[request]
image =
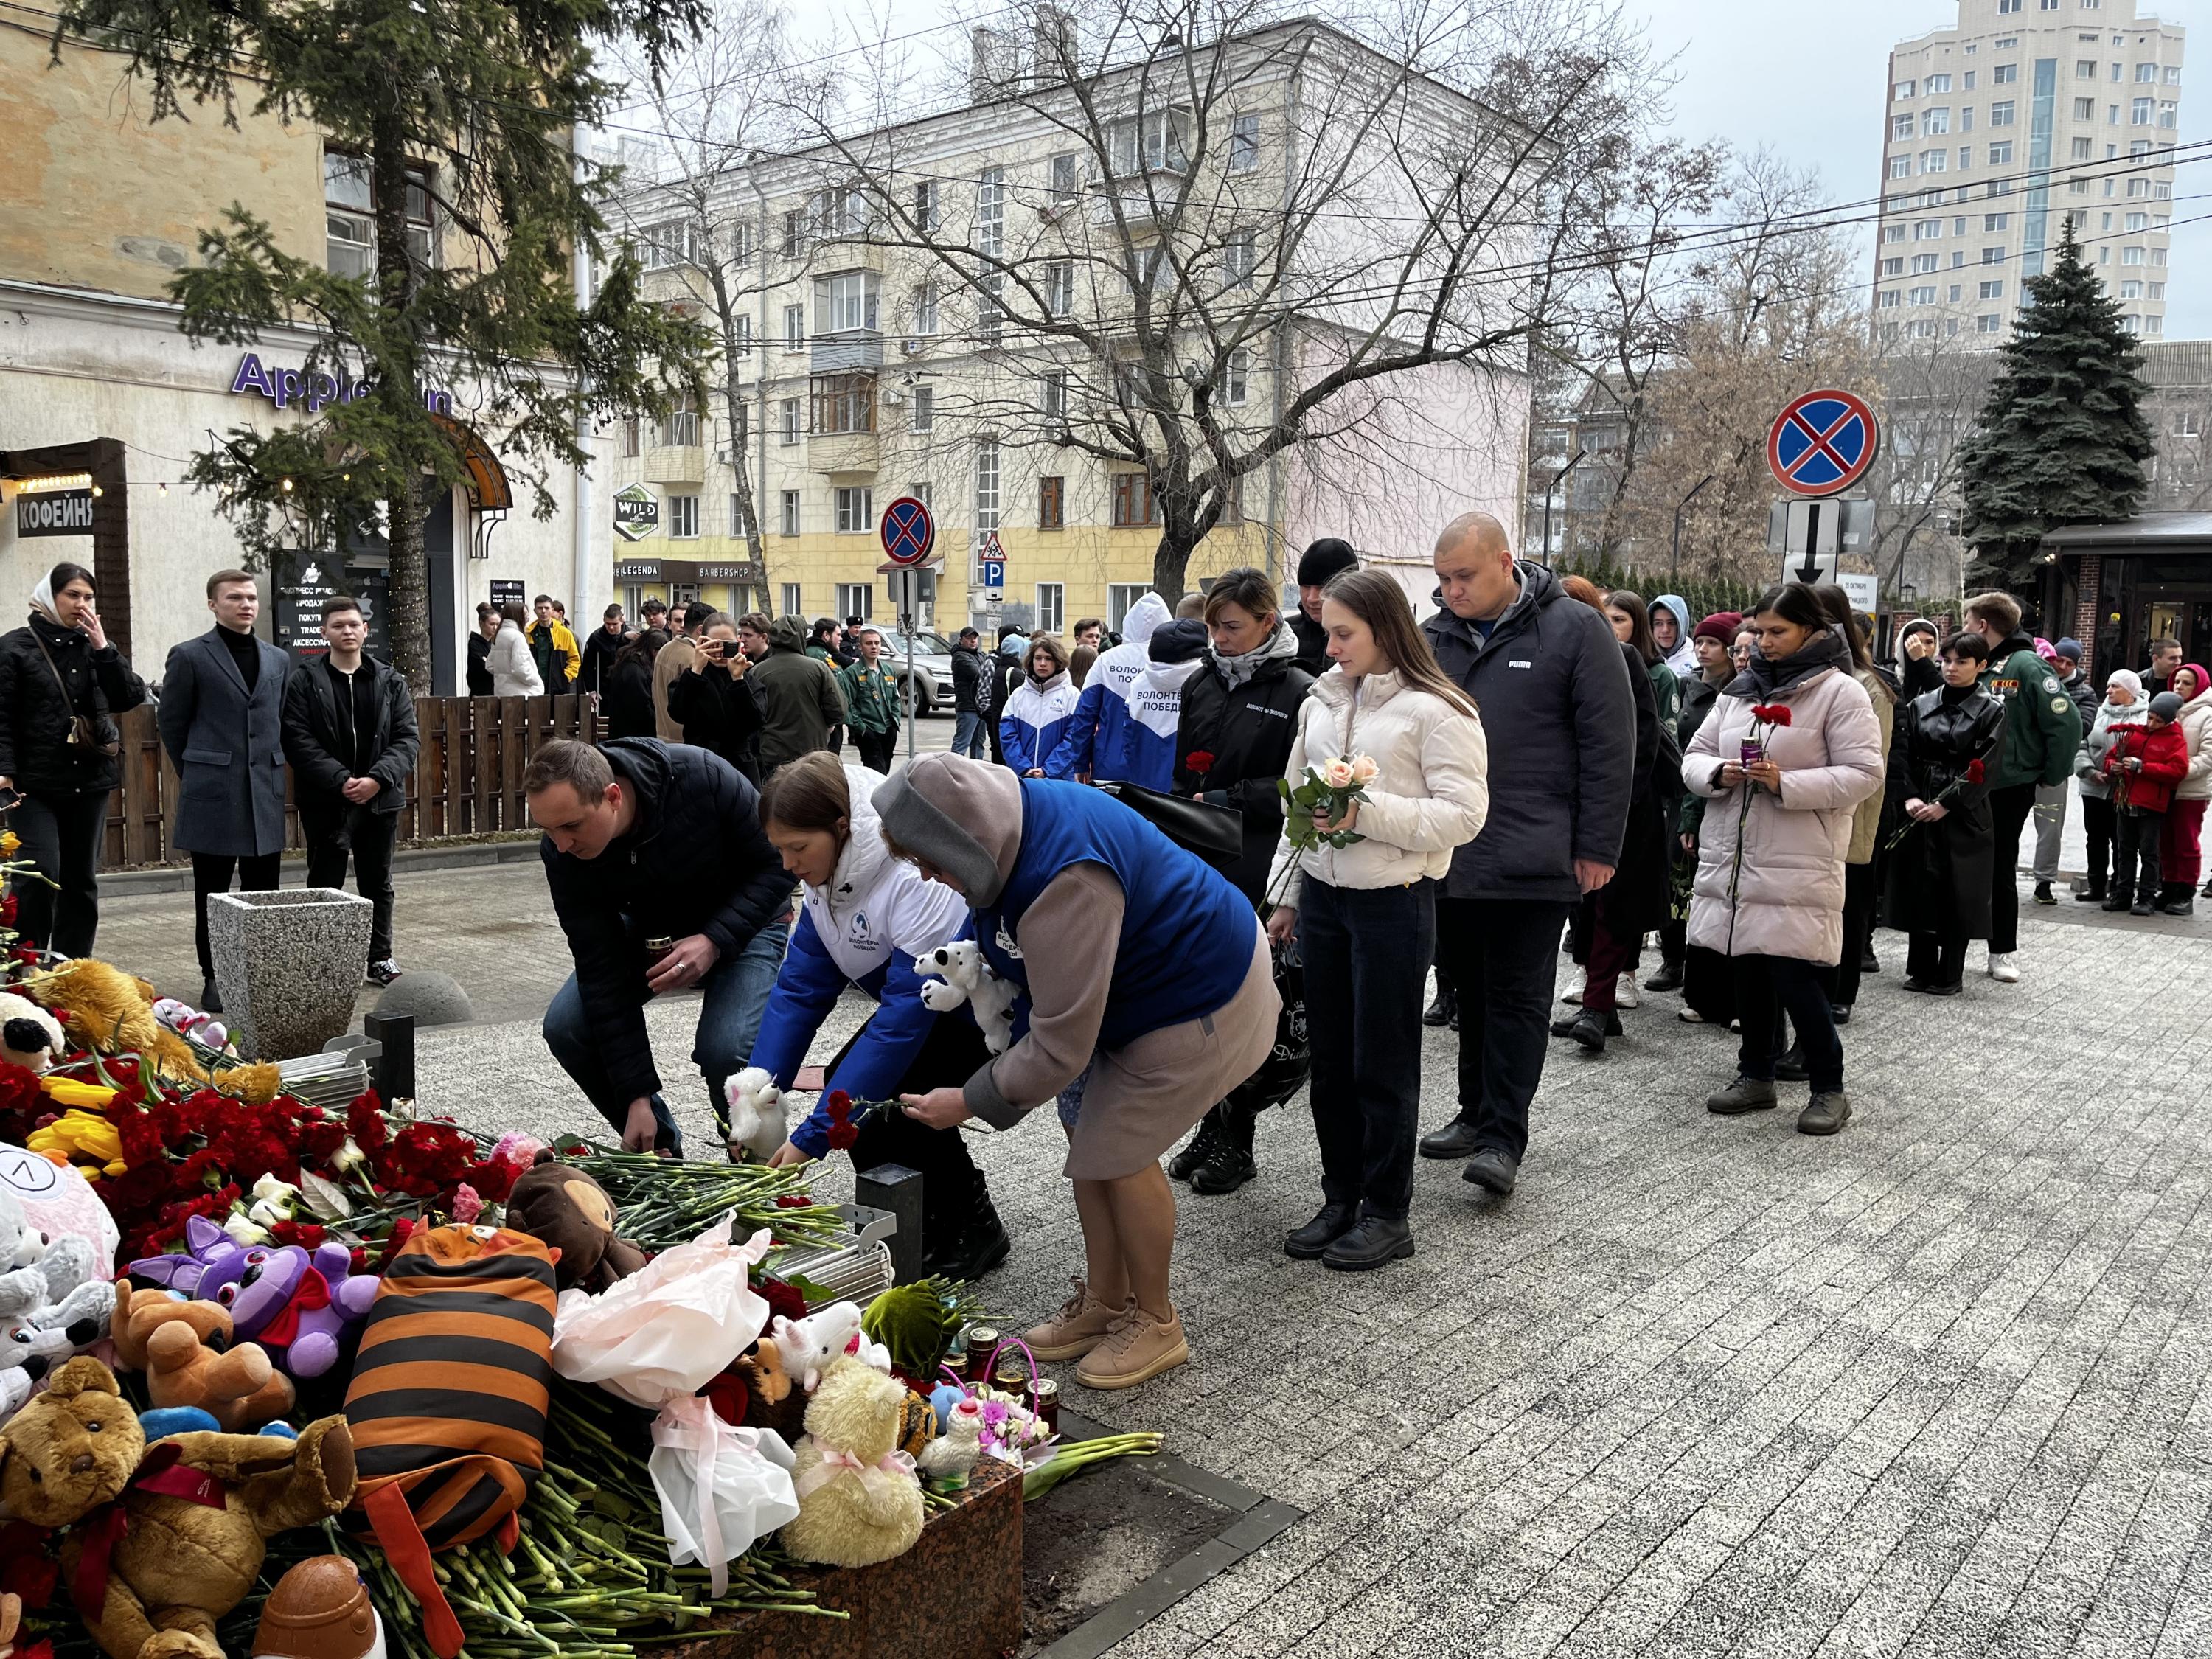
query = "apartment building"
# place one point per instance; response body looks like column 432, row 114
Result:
column 871, row 367
column 2022, row 114
column 104, row 401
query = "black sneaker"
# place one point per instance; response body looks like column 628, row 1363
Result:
column 2140, row 908
column 2043, row 895
column 1440, row 1011
column 382, row 973
column 1374, row 1242
column 2183, row 906
column 1229, row 1168
column 1197, row 1150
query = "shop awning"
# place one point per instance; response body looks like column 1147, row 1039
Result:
column 487, row 478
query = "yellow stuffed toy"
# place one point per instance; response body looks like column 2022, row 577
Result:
column 859, row 1499
column 113, row 1012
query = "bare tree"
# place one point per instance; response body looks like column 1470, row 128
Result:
column 1253, row 236
column 1932, row 390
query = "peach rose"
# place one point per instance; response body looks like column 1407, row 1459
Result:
column 1337, row 775
column 1363, row 770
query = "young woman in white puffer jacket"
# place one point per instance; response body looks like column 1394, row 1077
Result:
column 1365, row 914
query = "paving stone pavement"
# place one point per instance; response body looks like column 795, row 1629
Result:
column 1701, row 1386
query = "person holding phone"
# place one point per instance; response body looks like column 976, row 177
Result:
column 60, row 683
column 711, row 702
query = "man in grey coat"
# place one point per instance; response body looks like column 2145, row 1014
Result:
column 1561, row 715
column 222, row 722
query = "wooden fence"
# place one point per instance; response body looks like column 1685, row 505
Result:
column 467, row 783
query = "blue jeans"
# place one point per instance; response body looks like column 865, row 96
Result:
column 971, row 735
column 733, row 997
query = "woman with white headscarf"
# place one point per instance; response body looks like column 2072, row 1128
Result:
column 60, row 681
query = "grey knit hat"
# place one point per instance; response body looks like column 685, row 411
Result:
column 954, row 813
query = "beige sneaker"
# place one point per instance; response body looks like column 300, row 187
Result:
column 1140, row 1349
column 1081, row 1325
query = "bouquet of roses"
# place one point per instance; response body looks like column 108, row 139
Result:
column 1327, row 790
column 1973, row 773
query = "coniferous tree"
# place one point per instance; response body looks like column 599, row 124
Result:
column 2061, row 438
column 462, row 107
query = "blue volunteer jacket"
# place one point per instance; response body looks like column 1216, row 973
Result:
column 1036, row 720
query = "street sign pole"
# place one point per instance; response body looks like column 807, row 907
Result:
column 908, row 532
column 908, row 583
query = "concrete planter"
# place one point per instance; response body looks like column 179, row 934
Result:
column 288, row 965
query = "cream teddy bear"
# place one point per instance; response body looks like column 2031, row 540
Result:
column 859, row 1501
column 963, row 975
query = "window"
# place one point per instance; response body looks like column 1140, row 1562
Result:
column 844, row 402
column 2132, row 290
column 1238, row 254
column 1893, row 233
column 2157, row 291
column 790, row 429
column 794, row 232
column 2111, row 115
column 1904, row 89
column 1889, row 297
column 845, row 300
column 630, row 437
column 990, row 321
column 1067, row 172
column 738, row 525
column 1922, row 297
column 1927, row 230
column 1243, row 143
column 1988, row 323
column 1935, row 160
column 1052, row 503
column 2189, row 423
column 1892, row 267
column 2158, row 257
column 991, row 212
column 743, row 238
column 925, row 309
column 2007, row 42
column 1934, row 122
column 2005, row 8
column 2001, row 113
column 2169, row 112
column 2174, row 74
column 2145, row 74
column 1955, row 294
column 1997, row 187
column 1993, row 256
column 922, row 492
column 1235, row 375
column 854, row 514
column 1923, row 263
column 2154, row 325
column 1059, row 288
column 1900, row 167
column 1132, row 501
column 926, row 215
column 2107, row 223
column 1995, row 221
column 1958, row 254
column 684, row 518
column 2131, row 256
column 1052, row 395
column 921, row 409
column 2001, row 153
column 852, row 597
column 1967, row 84
column 1900, row 126
column 741, row 336
column 1966, row 118
column 1151, row 143
column 669, row 245
column 679, row 428
column 2004, row 75
column 2085, row 68
column 1936, row 83
column 790, row 604
column 350, row 231
column 794, row 328
column 2085, row 109
column 2082, row 149
column 1051, row 607
column 987, row 485
column 2138, row 187
column 1993, row 290
column 2138, row 221
column 2139, row 111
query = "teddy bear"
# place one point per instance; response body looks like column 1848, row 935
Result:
column 23, row 1282
column 570, row 1213
column 29, row 1037
column 112, row 1012
column 773, row 1399
column 859, row 1501
column 184, row 1348
column 963, row 975
column 165, row 1540
column 59, row 1201
column 756, row 1122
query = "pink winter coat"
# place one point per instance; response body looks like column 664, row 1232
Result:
column 1785, row 895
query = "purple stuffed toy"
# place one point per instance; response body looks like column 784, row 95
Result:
column 297, row 1306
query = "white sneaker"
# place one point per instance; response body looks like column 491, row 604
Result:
column 1689, row 1017
column 2002, row 968
column 1575, row 995
column 1625, row 995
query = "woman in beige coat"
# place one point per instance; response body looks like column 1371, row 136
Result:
column 1365, row 912
column 1791, row 749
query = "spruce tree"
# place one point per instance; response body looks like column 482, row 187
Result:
column 2061, row 438
column 470, row 104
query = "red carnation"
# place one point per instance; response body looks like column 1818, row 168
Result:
column 842, row 1132
column 1974, row 772
column 7, row 911
column 783, row 1300
column 1200, row 761
column 1774, row 713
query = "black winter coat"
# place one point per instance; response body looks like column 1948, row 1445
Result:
column 314, row 740
column 717, row 711
column 35, row 753
column 970, row 695
column 479, row 670
column 1005, row 676
column 600, row 650
column 1248, row 730
column 1637, row 898
column 697, row 861
column 1938, row 878
column 626, row 702
column 1313, row 644
column 1560, row 711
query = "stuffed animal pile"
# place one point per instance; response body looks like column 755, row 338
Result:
column 55, row 1299
column 111, row 1012
column 298, row 1305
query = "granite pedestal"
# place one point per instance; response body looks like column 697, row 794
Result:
column 288, row 965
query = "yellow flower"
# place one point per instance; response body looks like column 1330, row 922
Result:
column 83, row 1134
column 9, row 840
column 68, row 1092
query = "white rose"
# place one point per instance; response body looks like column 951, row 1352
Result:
column 1363, row 770
column 281, row 1197
column 1337, row 775
column 244, row 1230
column 348, row 1157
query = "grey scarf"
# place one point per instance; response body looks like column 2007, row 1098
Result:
column 1280, row 646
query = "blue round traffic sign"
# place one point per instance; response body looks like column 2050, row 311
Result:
column 1822, row 443
column 907, row 531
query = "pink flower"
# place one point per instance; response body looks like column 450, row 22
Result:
column 516, row 1148
column 467, row 1205
column 1337, row 775
column 1363, row 770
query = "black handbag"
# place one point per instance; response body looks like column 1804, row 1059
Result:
column 1215, row 834
column 1285, row 1071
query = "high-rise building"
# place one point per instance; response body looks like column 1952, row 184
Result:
column 2020, row 115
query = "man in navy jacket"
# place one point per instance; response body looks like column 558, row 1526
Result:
column 1561, row 715
column 644, row 838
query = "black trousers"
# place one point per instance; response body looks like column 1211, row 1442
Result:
column 368, row 836
column 62, row 834
column 211, row 874
column 876, row 748
column 1765, row 988
column 1861, row 889
column 1503, row 955
column 952, row 1187
column 2135, row 866
column 1936, row 958
column 2097, row 818
column 2010, row 806
column 1366, row 953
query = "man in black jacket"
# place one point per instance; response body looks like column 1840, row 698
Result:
column 1323, row 559
column 349, row 733
column 970, row 695
column 601, row 650
column 644, row 838
column 1561, row 715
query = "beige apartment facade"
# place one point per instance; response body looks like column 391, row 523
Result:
column 2022, row 115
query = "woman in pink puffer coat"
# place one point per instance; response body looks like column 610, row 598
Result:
column 1791, row 747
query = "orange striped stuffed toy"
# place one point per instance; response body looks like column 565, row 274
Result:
column 448, row 1400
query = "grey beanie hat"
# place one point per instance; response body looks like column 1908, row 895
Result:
column 2166, row 705
column 926, row 810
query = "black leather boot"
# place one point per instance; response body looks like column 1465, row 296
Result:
column 1440, row 1011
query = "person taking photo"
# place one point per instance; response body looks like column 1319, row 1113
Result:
column 711, row 702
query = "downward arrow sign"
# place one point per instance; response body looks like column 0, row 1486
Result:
column 1810, row 570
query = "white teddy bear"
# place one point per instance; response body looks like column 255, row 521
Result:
column 963, row 975
column 756, row 1113
column 29, row 1036
column 22, row 1281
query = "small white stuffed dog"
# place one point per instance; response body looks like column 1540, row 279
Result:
column 756, row 1113
column 963, row 975
column 29, row 1036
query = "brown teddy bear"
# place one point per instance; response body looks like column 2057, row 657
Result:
column 773, row 1400
column 571, row 1214
column 186, row 1351
column 162, row 1541
column 112, row 1012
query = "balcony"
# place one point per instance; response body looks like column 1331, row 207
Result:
column 675, row 464
column 846, row 350
column 844, row 452
column 1141, row 209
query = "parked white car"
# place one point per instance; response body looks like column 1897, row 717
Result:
column 933, row 668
